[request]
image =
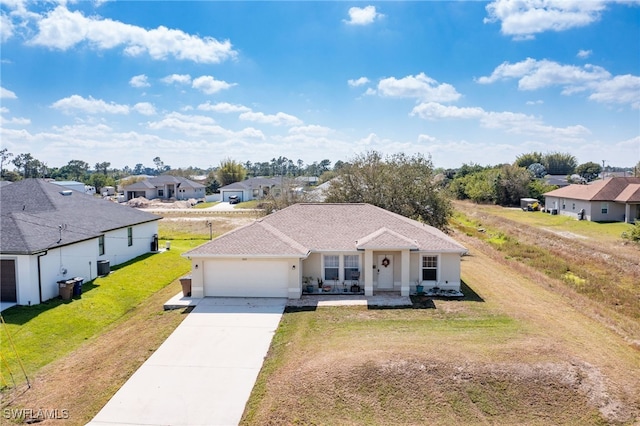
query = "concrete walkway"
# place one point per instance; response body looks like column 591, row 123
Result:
column 204, row 372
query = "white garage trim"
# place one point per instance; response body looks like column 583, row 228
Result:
column 246, row 278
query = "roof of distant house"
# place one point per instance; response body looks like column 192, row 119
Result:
column 600, row 190
column 37, row 215
column 251, row 183
column 162, row 180
column 302, row 228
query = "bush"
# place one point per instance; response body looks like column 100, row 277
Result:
column 634, row 234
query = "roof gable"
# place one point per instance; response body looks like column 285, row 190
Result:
column 385, row 238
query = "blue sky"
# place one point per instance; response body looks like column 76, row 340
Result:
column 199, row 82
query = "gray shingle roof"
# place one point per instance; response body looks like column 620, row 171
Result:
column 32, row 211
column 161, row 181
column 308, row 227
column 251, row 183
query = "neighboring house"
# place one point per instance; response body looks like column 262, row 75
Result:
column 609, row 200
column 272, row 256
column 164, row 187
column 51, row 233
column 76, row 186
column 557, row 180
column 251, row 189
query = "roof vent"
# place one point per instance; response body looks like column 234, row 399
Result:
column 67, row 192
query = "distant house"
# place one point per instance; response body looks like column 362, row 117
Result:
column 337, row 243
column 610, row 200
column 164, row 187
column 51, row 233
column 76, row 186
column 251, row 189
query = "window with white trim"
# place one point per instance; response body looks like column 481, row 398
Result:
column 129, row 236
column 101, row 245
column 351, row 266
column 429, row 268
column 604, row 208
column 331, row 267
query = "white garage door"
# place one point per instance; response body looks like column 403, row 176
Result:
column 246, row 278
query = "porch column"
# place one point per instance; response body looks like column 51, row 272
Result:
column 405, row 272
column 368, row 273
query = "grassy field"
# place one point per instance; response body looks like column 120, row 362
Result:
column 536, row 346
column 520, row 355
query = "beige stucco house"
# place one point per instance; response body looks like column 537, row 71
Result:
column 341, row 244
column 610, row 200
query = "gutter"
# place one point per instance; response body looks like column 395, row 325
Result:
column 40, row 274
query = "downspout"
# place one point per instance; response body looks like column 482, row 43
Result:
column 40, row 274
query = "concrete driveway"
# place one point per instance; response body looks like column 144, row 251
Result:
column 204, row 372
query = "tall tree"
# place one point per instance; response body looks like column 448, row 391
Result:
column 230, row 171
column 398, row 183
column 102, row 167
column 589, row 171
column 558, row 163
column 77, row 169
column 4, row 156
column 525, row 160
column 28, row 164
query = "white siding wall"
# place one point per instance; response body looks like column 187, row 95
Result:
column 78, row 260
column 116, row 245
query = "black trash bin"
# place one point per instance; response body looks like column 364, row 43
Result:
column 77, row 286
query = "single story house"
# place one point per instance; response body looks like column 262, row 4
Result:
column 164, row 187
column 51, row 233
column 340, row 244
column 610, row 200
column 255, row 188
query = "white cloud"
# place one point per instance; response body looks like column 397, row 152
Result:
column 426, row 138
column 223, row 107
column 210, row 85
column 359, row 82
column 139, row 81
column 363, row 15
column 279, row 119
column 7, row 94
column 533, row 75
column 6, row 28
column 510, row 122
column 524, row 18
column 622, row 89
column 420, row 87
column 145, row 108
column 177, row 78
column 89, row 105
column 311, row 130
column 63, row 29
column 370, row 92
column 199, row 125
column 538, row 102
column 584, row 53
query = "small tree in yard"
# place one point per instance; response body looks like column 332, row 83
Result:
column 634, row 234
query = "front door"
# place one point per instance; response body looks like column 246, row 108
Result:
column 385, row 272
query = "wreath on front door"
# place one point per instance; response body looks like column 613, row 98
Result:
column 385, row 262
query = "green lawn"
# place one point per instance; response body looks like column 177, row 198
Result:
column 205, row 205
column 610, row 231
column 45, row 332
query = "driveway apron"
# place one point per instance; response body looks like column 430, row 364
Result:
column 204, row 372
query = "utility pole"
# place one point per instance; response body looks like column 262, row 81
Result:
column 210, row 225
column 603, row 161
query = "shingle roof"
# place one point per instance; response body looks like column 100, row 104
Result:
column 251, row 183
column 32, row 212
column 161, row 181
column 602, row 190
column 302, row 228
column 631, row 194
